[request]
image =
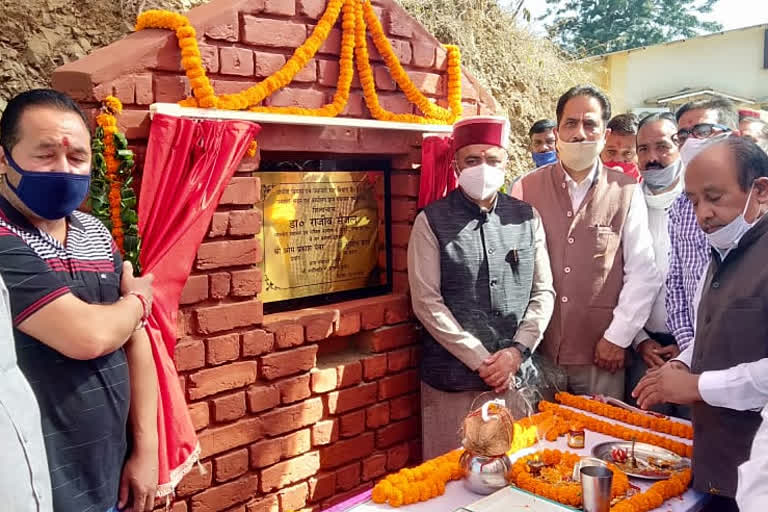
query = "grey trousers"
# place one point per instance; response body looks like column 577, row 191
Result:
column 589, row 379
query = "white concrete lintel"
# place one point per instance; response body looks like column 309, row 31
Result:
column 172, row 109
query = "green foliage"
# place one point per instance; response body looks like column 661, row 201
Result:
column 100, row 187
column 524, row 73
column 593, row 27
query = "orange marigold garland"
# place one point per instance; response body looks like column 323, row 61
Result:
column 253, row 149
column 619, row 431
column 554, row 481
column 657, row 494
column 402, row 79
column 426, row 481
column 112, row 198
column 353, row 46
column 346, row 69
column 191, row 60
column 662, row 425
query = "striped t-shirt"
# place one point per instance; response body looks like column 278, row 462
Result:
column 83, row 404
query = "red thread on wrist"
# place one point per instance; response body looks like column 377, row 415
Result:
column 145, row 307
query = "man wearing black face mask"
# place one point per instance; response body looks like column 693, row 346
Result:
column 661, row 168
column 78, row 312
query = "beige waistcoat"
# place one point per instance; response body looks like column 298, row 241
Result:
column 585, row 251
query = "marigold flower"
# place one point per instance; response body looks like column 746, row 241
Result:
column 353, row 48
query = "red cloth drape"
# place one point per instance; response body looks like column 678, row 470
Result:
column 437, row 175
column 188, row 165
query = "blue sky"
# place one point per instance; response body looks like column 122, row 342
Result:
column 730, row 13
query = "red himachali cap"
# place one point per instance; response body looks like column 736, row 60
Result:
column 490, row 130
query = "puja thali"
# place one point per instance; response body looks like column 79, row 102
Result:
column 640, row 460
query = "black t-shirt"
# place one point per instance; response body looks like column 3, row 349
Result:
column 84, row 404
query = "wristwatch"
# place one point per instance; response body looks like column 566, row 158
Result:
column 524, row 351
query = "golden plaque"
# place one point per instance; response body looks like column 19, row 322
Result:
column 320, row 233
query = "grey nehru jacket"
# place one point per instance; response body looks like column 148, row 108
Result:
column 25, row 484
column 480, row 282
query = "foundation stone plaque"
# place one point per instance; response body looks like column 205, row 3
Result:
column 321, row 232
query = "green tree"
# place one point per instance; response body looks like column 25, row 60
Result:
column 593, row 27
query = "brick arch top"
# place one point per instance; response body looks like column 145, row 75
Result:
column 243, row 41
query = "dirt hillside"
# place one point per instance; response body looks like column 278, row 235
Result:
column 36, row 36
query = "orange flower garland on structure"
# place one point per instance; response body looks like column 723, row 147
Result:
column 618, row 431
column 368, row 82
column 661, row 425
column 112, row 198
column 353, row 45
column 311, row 46
column 191, row 60
column 108, row 123
column 401, row 77
column 412, row 485
column 253, row 148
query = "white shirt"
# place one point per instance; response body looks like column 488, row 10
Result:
column 658, row 221
column 578, row 191
column 752, row 493
column 25, row 484
column 743, row 387
column 642, row 280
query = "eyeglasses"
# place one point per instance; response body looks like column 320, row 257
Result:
column 700, row 131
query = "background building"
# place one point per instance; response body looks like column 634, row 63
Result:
column 733, row 64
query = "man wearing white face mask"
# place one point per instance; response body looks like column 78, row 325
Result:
column 699, row 124
column 600, row 247
column 661, row 168
column 724, row 373
column 480, row 284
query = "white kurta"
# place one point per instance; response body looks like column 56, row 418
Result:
column 25, row 484
column 658, row 222
column 752, row 494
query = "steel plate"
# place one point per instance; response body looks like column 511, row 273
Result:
column 642, row 451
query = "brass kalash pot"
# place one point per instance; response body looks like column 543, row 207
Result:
column 487, row 435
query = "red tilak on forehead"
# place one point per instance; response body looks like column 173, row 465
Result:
column 65, row 142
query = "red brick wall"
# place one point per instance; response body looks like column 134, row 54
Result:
column 299, row 409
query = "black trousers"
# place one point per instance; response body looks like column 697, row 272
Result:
column 721, row 504
column 636, row 370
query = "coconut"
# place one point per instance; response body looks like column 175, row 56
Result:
column 490, row 434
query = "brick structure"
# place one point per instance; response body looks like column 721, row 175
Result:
column 303, row 409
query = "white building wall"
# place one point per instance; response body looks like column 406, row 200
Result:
column 730, row 62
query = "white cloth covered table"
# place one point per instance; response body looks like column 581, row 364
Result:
column 457, row 496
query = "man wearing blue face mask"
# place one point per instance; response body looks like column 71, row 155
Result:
column 543, row 140
column 600, row 247
column 480, row 284
column 724, row 373
column 78, row 313
column 542, row 146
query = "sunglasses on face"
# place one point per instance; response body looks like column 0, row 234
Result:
column 701, row 131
